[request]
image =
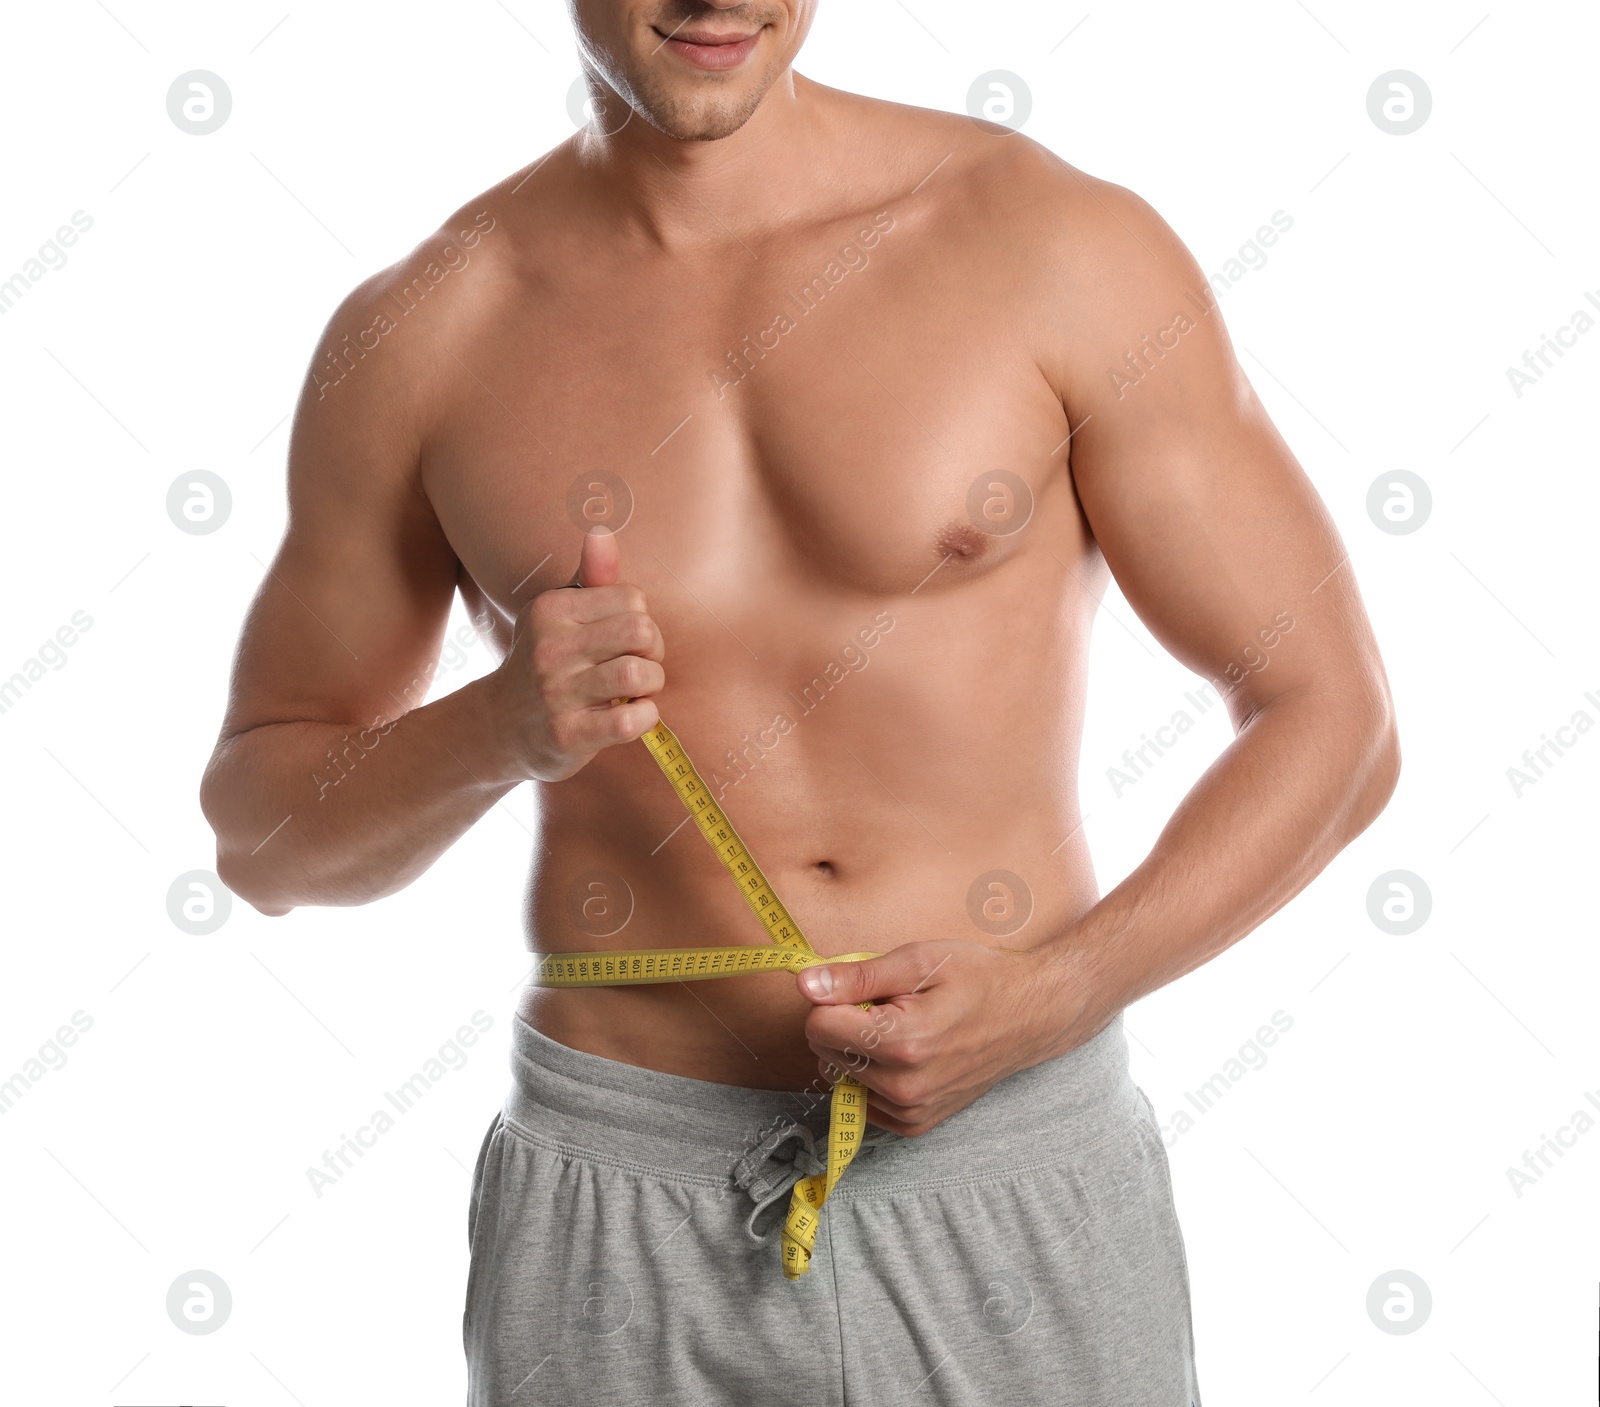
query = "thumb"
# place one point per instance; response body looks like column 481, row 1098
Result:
column 893, row 975
column 600, row 562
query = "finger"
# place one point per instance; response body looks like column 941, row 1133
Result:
column 891, row 1115
column 909, row 968
column 879, row 1038
column 885, row 1112
column 600, row 562
column 881, row 1106
column 832, row 1062
column 597, row 603
column 626, row 633
column 626, row 678
column 586, row 731
column 884, row 1121
column 912, row 1124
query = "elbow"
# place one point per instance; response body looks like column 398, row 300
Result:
column 1385, row 769
column 1377, row 770
column 249, row 883
column 238, row 871
column 275, row 885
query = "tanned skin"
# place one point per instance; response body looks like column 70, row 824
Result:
column 786, row 502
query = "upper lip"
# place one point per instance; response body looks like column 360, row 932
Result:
column 697, row 37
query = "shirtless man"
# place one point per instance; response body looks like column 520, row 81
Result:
column 841, row 412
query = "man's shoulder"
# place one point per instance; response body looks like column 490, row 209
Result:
column 1085, row 261
column 980, row 173
column 1092, row 241
column 444, row 273
column 1058, row 210
column 395, row 324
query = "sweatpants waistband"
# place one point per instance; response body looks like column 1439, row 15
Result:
column 697, row 1130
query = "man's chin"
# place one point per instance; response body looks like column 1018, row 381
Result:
column 707, row 131
column 696, row 127
column 698, row 116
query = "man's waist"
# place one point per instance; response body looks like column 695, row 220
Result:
column 674, row 1125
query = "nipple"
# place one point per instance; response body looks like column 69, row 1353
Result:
column 962, row 542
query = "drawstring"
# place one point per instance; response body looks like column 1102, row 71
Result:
column 768, row 1185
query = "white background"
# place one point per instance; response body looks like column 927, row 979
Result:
column 217, row 1069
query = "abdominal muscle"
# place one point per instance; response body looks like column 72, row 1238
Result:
column 871, row 880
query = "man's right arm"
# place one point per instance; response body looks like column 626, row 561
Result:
column 331, row 782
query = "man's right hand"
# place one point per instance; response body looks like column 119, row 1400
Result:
column 572, row 654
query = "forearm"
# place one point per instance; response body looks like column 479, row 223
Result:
column 1302, row 779
column 317, row 813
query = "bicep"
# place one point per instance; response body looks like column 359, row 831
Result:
column 350, row 613
column 1208, row 524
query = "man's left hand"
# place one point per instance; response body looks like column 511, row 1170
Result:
column 950, row 1019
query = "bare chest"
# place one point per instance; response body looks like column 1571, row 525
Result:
column 833, row 417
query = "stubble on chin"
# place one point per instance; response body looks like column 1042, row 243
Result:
column 712, row 114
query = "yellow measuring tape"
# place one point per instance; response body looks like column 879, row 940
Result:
column 847, row 1115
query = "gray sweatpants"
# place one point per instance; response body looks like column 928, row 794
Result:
column 624, row 1246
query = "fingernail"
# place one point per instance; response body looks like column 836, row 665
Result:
column 817, row 981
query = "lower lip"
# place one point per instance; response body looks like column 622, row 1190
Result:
column 714, row 56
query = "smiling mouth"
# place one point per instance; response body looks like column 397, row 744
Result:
column 710, row 51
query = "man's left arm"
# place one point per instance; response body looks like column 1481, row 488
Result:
column 1219, row 542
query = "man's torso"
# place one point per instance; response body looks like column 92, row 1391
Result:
column 857, row 533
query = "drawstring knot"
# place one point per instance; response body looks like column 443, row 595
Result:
column 769, row 1171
